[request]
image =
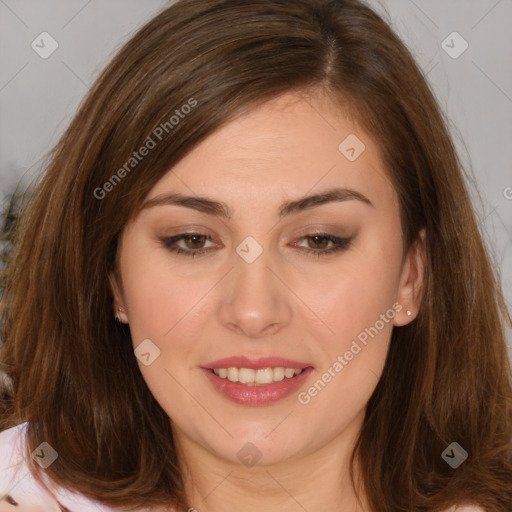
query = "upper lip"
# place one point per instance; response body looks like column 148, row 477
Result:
column 262, row 362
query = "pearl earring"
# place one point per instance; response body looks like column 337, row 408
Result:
column 117, row 314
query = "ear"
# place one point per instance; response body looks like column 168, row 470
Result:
column 118, row 298
column 410, row 291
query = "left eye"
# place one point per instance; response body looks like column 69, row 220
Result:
column 318, row 239
column 194, row 243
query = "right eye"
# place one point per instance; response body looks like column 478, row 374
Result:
column 194, row 238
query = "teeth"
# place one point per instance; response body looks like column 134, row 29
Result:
column 246, row 375
column 260, row 376
column 233, row 374
column 278, row 374
column 264, row 376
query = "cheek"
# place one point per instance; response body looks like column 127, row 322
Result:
column 353, row 296
column 357, row 306
column 157, row 294
column 353, row 357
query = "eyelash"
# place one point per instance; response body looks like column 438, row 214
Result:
column 340, row 244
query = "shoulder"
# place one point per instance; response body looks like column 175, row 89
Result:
column 11, row 449
column 17, row 482
column 15, row 478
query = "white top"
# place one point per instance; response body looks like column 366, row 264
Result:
column 17, row 482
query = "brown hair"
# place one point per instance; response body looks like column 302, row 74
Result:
column 75, row 379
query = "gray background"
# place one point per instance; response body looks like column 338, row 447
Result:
column 38, row 97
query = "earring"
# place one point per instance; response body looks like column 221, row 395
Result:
column 409, row 313
column 117, row 314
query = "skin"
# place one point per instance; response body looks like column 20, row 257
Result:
column 285, row 303
column 20, row 502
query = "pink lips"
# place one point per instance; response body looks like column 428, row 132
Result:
column 256, row 395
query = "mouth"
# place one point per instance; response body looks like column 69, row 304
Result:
column 256, row 382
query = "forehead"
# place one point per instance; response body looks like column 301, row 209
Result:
column 284, row 148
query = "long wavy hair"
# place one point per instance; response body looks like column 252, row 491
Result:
column 72, row 369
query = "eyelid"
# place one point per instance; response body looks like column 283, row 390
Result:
column 315, row 229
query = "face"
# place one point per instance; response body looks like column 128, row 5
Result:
column 311, row 285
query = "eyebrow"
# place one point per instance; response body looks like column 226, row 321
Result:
column 220, row 209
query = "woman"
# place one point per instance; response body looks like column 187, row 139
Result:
column 252, row 278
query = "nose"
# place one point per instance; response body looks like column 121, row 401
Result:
column 255, row 299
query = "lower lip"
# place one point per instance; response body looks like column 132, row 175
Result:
column 263, row 394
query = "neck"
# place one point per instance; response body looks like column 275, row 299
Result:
column 316, row 480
